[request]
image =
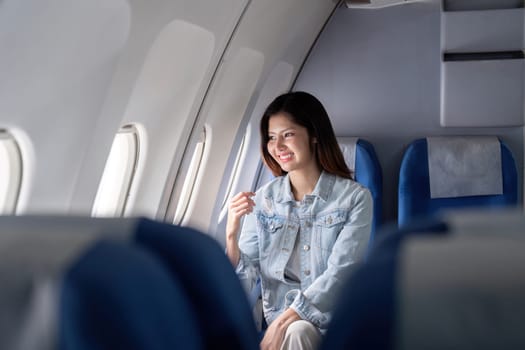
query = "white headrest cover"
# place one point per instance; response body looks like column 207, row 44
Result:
column 348, row 147
column 464, row 166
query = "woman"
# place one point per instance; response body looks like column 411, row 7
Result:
column 306, row 228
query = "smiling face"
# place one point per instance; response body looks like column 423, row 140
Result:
column 289, row 144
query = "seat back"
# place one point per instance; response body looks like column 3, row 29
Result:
column 365, row 312
column 415, row 197
column 62, row 289
column 34, row 252
column 217, row 296
column 117, row 296
column 437, row 285
column 44, row 246
column 472, row 299
column 361, row 158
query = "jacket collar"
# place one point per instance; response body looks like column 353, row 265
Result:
column 323, row 188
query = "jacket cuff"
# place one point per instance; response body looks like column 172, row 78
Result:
column 296, row 300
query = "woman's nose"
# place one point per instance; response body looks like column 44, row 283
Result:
column 279, row 143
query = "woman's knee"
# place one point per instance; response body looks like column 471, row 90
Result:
column 301, row 335
column 300, row 327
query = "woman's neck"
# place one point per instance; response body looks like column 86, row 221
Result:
column 303, row 182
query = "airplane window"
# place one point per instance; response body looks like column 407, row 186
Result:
column 10, row 172
column 121, row 165
column 190, row 180
column 235, row 173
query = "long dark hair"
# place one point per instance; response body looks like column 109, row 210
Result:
column 306, row 110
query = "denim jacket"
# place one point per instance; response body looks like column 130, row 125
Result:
column 333, row 223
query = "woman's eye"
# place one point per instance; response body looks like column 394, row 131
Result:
column 271, row 138
column 288, row 134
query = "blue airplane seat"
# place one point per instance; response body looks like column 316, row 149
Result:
column 414, row 191
column 116, row 296
column 365, row 313
column 367, row 171
column 216, row 294
column 437, row 284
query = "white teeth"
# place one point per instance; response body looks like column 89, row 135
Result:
column 285, row 157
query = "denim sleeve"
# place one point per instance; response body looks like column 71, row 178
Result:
column 248, row 267
column 315, row 303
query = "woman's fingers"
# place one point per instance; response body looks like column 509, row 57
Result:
column 242, row 203
column 241, row 198
column 243, row 207
column 244, row 194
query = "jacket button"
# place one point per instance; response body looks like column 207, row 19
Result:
column 307, row 272
column 306, row 247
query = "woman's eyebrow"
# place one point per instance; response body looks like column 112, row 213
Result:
column 281, row 131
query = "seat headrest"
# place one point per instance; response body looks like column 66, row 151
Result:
column 462, row 292
column 464, row 166
column 348, row 147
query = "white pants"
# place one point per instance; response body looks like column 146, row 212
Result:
column 301, row 335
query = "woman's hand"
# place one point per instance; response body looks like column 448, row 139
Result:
column 240, row 205
column 274, row 336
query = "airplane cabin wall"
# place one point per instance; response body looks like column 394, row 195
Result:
column 378, row 74
column 265, row 53
column 56, row 65
column 165, row 69
column 74, row 71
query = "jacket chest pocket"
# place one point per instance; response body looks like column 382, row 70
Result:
column 327, row 228
column 271, row 224
column 270, row 228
